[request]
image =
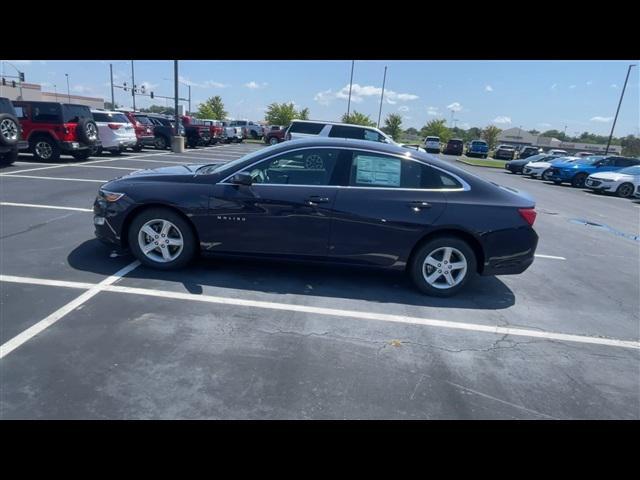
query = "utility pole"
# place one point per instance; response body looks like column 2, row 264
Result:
column 384, row 79
column 350, row 86
column 68, row 91
column 133, row 90
column 618, row 110
column 175, row 86
column 113, row 102
column 189, row 99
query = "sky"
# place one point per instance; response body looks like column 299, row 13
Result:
column 541, row 95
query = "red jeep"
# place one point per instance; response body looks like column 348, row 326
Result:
column 53, row 128
column 143, row 127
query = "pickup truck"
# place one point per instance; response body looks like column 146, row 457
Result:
column 163, row 130
column 274, row 134
column 249, row 129
column 231, row 133
column 477, row 148
column 197, row 133
column 216, row 129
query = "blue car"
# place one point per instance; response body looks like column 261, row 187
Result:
column 576, row 172
column 478, row 148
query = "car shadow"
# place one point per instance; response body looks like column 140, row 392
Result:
column 288, row 278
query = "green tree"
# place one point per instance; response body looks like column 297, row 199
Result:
column 490, row 135
column 357, row 118
column 158, row 109
column 631, row 146
column 411, row 131
column 392, row 125
column 534, row 132
column 436, row 128
column 282, row 113
column 212, row 108
column 473, row 134
column 303, row 114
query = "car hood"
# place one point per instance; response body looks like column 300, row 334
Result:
column 175, row 170
column 538, row 165
column 614, row 176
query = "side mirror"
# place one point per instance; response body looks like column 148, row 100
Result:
column 242, row 178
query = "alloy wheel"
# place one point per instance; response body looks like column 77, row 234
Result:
column 444, row 268
column 160, row 240
column 9, row 129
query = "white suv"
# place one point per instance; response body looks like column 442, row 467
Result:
column 309, row 128
column 432, row 144
column 115, row 130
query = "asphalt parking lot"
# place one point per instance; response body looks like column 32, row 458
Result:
column 88, row 333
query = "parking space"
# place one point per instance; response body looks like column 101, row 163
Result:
column 88, row 333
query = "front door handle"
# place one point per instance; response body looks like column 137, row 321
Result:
column 316, row 199
column 419, row 205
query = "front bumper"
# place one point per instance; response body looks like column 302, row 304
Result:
column 599, row 185
column 537, row 173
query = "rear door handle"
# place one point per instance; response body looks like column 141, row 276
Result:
column 419, row 205
column 316, row 199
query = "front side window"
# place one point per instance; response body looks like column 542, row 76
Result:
column 305, row 127
column 46, row 113
column 375, row 170
column 300, row 167
column 374, row 136
column 341, row 131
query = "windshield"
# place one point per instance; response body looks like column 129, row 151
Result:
column 221, row 168
column 588, row 160
column 536, row 158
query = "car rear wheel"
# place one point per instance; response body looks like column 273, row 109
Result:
column 160, row 143
column 273, row 141
column 9, row 157
column 442, row 266
column 578, row 180
column 137, row 148
column 625, row 190
column 9, row 130
column 45, row 149
column 161, row 238
column 546, row 175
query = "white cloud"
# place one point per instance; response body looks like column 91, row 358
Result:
column 488, row 88
column 502, row 119
column 601, row 119
column 360, row 92
column 544, row 124
column 464, row 125
column 404, row 108
column 572, row 86
column 455, row 106
column 254, row 85
column 553, row 87
column 590, row 82
column 614, row 85
column 432, row 111
column 205, row 84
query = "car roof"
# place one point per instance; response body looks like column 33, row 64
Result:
column 328, row 122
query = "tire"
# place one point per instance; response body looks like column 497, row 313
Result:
column 137, row 148
column 546, row 174
column 557, row 182
column 160, row 143
column 193, row 143
column 420, row 270
column 95, row 151
column 8, row 158
column 87, row 131
column 254, row 135
column 625, row 190
column 179, row 230
column 117, row 152
column 45, row 149
column 578, row 180
column 273, row 141
column 83, row 155
column 9, row 130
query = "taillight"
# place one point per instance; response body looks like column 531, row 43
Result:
column 529, row 215
column 114, row 126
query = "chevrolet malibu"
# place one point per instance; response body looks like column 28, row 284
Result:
column 325, row 199
column 623, row 182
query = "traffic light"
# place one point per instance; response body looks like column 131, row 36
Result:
column 21, row 75
column 13, row 83
column 4, row 81
column 124, row 86
column 151, row 94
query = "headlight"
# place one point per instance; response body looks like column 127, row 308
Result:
column 606, row 180
column 110, row 196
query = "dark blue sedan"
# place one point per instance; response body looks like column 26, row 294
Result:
column 327, row 199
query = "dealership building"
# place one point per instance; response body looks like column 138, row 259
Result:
column 33, row 92
column 519, row 137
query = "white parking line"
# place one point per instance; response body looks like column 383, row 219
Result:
column 10, row 345
column 31, row 205
column 57, row 178
column 549, row 256
column 361, row 315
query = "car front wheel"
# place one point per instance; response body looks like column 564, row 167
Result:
column 625, row 190
column 442, row 266
column 161, row 238
column 578, row 180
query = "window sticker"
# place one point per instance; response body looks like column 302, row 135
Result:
column 378, row 171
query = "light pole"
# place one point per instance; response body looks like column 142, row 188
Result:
column 384, row 79
column 133, row 82
column 113, row 102
column 350, row 86
column 68, row 91
column 618, row 109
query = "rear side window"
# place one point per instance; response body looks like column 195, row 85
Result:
column 143, row 119
column 373, row 170
column 341, row 131
column 73, row 113
column 308, row 128
column 46, row 113
column 20, row 111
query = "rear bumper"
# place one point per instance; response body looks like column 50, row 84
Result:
column 509, row 252
column 146, row 140
column 76, row 146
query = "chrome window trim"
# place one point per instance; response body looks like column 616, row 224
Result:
column 465, row 186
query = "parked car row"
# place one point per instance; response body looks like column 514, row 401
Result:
column 599, row 173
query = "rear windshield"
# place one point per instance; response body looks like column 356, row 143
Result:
column 304, row 127
column 433, row 139
column 73, row 113
column 6, row 106
column 143, row 119
column 110, row 117
column 455, row 142
column 478, row 142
